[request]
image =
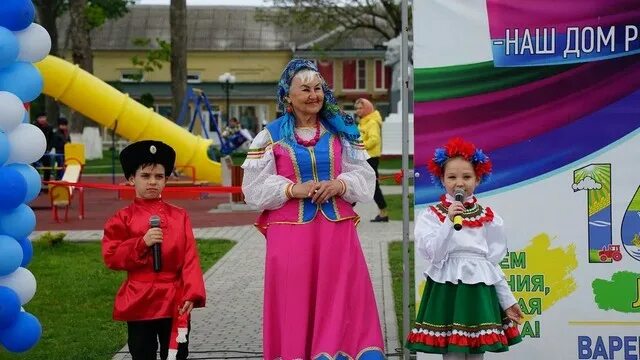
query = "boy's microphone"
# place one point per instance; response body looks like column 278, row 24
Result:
column 154, row 222
column 457, row 220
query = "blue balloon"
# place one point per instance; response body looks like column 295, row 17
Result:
column 16, row 15
column 4, row 148
column 27, row 252
column 9, row 47
column 9, row 306
column 26, row 119
column 18, row 223
column 10, row 255
column 13, row 188
column 32, row 178
column 22, row 79
column 23, row 334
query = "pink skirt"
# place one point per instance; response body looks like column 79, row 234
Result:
column 318, row 299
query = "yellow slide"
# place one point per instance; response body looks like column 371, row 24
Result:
column 105, row 105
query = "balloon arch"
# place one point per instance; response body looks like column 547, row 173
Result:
column 22, row 42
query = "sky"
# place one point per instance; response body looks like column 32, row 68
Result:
column 207, row 2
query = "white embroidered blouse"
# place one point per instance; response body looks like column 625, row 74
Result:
column 265, row 189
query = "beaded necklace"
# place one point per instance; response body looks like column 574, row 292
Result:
column 311, row 142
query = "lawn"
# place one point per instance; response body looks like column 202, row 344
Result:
column 105, row 166
column 395, row 263
column 74, row 300
column 394, row 206
column 394, row 162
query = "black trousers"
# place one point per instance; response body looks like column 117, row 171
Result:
column 377, row 196
column 145, row 335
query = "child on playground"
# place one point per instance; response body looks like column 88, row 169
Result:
column 158, row 295
column 467, row 307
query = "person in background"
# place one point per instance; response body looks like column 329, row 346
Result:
column 60, row 137
column 370, row 126
column 45, row 160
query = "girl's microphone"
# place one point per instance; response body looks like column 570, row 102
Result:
column 457, row 220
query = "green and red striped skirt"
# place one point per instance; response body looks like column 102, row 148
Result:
column 461, row 318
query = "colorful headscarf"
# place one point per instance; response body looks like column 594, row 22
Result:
column 458, row 147
column 367, row 106
column 333, row 119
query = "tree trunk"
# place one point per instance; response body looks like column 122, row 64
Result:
column 47, row 13
column 178, row 21
column 80, row 51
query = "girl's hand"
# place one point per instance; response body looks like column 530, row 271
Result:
column 326, row 190
column 515, row 314
column 456, row 208
column 186, row 308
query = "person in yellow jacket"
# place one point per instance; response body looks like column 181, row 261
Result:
column 370, row 126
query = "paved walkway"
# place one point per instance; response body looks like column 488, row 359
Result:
column 224, row 328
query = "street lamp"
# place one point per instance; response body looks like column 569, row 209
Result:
column 227, row 80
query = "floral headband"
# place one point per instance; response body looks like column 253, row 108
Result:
column 458, row 147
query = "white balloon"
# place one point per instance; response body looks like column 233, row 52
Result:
column 27, row 144
column 34, row 42
column 11, row 111
column 22, row 282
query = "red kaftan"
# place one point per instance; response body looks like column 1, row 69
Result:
column 146, row 295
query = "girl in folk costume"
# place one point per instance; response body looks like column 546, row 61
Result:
column 155, row 304
column 304, row 171
column 467, row 307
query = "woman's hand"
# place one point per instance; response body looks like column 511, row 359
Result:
column 456, row 208
column 325, row 190
column 304, row 190
column 515, row 314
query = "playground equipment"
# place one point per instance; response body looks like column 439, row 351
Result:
column 61, row 195
column 107, row 106
column 229, row 140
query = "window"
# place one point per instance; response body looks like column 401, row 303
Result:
column 383, row 76
column 193, row 77
column 354, row 74
column 131, row 75
column 326, row 70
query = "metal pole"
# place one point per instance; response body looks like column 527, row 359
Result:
column 227, row 88
column 405, row 170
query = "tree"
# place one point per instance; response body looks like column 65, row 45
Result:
column 85, row 15
column 178, row 23
column 48, row 11
column 153, row 60
column 381, row 16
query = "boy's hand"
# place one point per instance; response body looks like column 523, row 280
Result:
column 515, row 314
column 456, row 208
column 153, row 236
column 186, row 308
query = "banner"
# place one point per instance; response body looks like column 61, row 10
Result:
column 564, row 139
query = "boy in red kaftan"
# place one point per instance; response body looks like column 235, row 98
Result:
column 155, row 305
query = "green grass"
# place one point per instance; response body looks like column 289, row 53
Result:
column 394, row 162
column 74, row 301
column 105, row 166
column 395, row 264
column 394, row 206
